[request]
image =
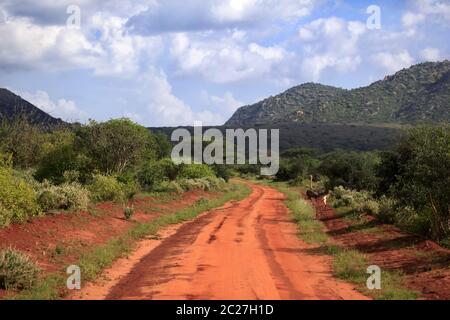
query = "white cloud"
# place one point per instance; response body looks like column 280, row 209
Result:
column 201, row 15
column 225, row 60
column 170, row 110
column 122, row 51
column 411, row 19
column 431, row 54
column 394, row 61
column 330, row 43
column 54, row 48
column 60, row 108
column 25, row 45
column 438, row 10
column 226, row 104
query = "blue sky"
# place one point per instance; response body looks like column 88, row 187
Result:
column 174, row 62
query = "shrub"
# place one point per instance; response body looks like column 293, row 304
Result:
column 130, row 190
column 50, row 199
column 63, row 164
column 17, row 271
column 18, row 200
column 196, row 171
column 75, row 196
column 222, row 171
column 169, row 186
column 6, row 216
column 168, row 169
column 67, row 197
column 149, row 176
column 386, row 212
column 359, row 201
column 106, row 188
column 371, row 207
column 206, row 184
column 71, row 176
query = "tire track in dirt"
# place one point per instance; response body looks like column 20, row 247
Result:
column 247, row 250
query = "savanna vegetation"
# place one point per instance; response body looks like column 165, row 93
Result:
column 407, row 186
column 67, row 169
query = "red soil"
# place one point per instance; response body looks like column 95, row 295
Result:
column 76, row 233
column 425, row 264
column 246, row 250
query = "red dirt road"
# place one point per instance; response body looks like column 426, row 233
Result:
column 246, row 250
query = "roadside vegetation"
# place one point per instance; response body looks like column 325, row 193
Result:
column 70, row 169
column 348, row 264
column 102, row 256
column 406, row 186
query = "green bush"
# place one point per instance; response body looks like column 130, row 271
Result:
column 206, row 184
column 106, row 188
column 371, row 207
column 196, row 171
column 359, row 201
column 17, row 271
column 169, row 186
column 149, row 176
column 6, row 216
column 63, row 164
column 387, row 210
column 67, row 197
column 168, row 169
column 18, row 200
column 223, row 171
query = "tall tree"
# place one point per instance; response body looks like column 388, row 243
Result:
column 116, row 145
column 422, row 179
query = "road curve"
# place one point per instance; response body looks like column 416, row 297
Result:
column 246, row 250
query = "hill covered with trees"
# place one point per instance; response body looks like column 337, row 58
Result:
column 13, row 107
column 418, row 94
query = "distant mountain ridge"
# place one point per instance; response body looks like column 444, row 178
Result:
column 418, row 94
column 13, row 107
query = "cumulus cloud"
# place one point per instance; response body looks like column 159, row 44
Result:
column 200, row 15
column 112, row 51
column 225, row 60
column 26, row 45
column 411, row 19
column 169, row 109
column 330, row 43
column 430, row 54
column 51, row 12
column 226, row 104
column 438, row 10
column 60, row 108
column 394, row 61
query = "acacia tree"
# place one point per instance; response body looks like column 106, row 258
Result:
column 23, row 140
column 351, row 170
column 422, row 180
column 116, row 145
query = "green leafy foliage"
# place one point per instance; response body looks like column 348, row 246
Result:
column 23, row 140
column 417, row 175
column 63, row 164
column 18, row 200
column 17, row 271
column 116, row 145
column 106, row 188
column 196, row 171
column 350, row 170
column 68, row 196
